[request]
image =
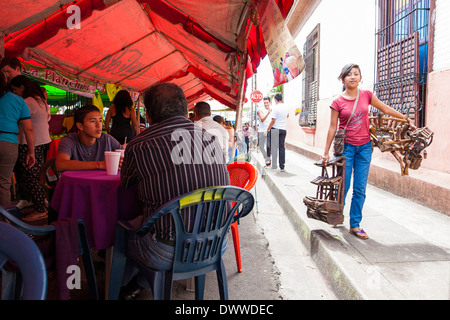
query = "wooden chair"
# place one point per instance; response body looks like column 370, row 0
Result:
column 397, row 137
column 328, row 205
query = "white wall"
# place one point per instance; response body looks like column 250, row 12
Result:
column 347, row 35
column 442, row 36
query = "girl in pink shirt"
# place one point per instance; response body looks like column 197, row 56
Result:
column 357, row 148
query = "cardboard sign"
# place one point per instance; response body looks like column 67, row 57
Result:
column 285, row 58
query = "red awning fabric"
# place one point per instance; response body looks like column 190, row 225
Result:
column 136, row 43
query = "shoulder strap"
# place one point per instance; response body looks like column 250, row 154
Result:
column 354, row 108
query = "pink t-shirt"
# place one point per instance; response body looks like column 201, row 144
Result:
column 357, row 132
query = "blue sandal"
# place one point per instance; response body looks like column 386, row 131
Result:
column 359, row 233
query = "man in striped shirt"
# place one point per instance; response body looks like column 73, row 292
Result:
column 171, row 157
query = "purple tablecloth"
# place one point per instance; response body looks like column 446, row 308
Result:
column 99, row 200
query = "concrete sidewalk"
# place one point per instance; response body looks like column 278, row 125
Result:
column 406, row 257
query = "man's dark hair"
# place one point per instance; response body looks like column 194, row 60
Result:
column 278, row 97
column 219, row 119
column 163, row 101
column 202, row 109
column 12, row 62
column 266, row 98
column 82, row 112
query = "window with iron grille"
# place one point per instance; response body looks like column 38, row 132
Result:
column 402, row 54
column 310, row 80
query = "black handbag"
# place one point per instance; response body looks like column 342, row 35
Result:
column 339, row 138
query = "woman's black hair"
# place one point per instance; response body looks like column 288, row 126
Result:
column 32, row 89
column 346, row 70
column 122, row 101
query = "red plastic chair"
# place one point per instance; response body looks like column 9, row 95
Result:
column 244, row 175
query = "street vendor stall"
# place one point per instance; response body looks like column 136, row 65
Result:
column 209, row 50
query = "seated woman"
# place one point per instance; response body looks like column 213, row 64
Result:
column 123, row 115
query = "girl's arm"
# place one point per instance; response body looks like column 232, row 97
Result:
column 375, row 102
column 27, row 127
column 108, row 119
column 330, row 135
column 134, row 121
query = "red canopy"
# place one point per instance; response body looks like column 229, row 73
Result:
column 208, row 47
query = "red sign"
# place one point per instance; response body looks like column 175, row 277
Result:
column 256, row 96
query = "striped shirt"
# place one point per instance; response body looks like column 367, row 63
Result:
column 169, row 159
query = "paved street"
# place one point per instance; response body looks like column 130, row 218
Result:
column 406, row 258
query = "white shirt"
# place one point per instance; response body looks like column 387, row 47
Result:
column 39, row 119
column 216, row 129
column 262, row 127
column 280, row 113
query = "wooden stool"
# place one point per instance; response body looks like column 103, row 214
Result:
column 394, row 135
column 328, row 205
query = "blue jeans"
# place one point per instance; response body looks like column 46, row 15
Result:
column 358, row 165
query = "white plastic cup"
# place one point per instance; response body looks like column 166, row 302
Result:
column 121, row 151
column 112, row 160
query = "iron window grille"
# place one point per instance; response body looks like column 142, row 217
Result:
column 310, row 79
column 401, row 56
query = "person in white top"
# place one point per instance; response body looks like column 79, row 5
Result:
column 276, row 132
column 265, row 116
column 248, row 132
column 28, row 178
column 204, row 120
column 221, row 120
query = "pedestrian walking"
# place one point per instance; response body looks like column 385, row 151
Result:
column 248, row 131
column 276, row 132
column 358, row 147
column 265, row 116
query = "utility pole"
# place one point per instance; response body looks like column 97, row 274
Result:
column 254, row 104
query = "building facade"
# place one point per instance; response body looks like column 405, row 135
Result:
column 403, row 49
